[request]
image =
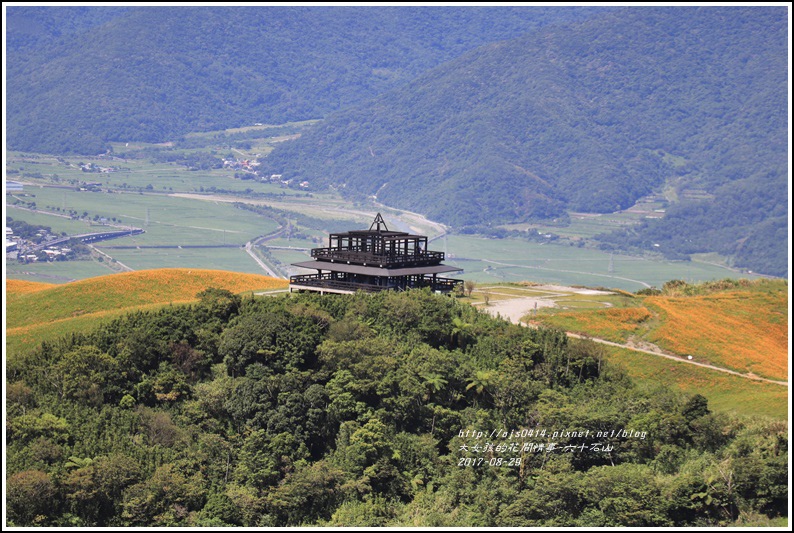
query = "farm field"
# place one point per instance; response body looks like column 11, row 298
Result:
column 58, row 272
column 171, row 220
column 513, row 260
column 154, row 187
column 287, row 257
column 58, row 223
column 232, row 258
column 583, row 225
column 297, row 243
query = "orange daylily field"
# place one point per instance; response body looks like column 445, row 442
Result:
column 732, row 329
column 41, row 311
column 743, row 329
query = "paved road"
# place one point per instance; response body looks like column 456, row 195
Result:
column 249, row 248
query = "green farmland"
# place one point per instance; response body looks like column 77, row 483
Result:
column 506, row 260
column 190, row 219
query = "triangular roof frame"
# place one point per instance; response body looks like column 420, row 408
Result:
column 377, row 223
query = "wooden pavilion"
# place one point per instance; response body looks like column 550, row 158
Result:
column 374, row 260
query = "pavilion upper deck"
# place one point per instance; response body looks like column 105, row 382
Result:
column 378, row 247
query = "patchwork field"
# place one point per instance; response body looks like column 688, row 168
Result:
column 59, row 271
column 515, row 260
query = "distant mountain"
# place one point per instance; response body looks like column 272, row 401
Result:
column 586, row 116
column 78, row 77
column 37, row 26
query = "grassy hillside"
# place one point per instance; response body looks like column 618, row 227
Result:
column 39, row 311
column 19, row 287
column 740, row 325
column 748, row 333
column 725, row 393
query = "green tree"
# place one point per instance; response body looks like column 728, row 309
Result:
column 695, row 407
column 372, row 512
column 624, row 495
column 219, row 511
column 85, row 374
column 310, row 493
column 461, row 332
column 219, row 303
column 27, row 427
column 481, row 382
column 551, row 499
column 30, row 498
column 166, row 498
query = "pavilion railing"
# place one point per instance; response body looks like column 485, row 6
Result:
column 359, row 256
column 326, row 281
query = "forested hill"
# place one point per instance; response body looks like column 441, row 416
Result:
column 586, row 116
column 365, row 410
column 79, row 77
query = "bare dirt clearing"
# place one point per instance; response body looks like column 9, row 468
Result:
column 514, row 308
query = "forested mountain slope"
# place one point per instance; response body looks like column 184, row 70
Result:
column 586, row 116
column 37, row 26
column 79, row 77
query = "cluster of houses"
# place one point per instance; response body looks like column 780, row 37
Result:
column 27, row 251
column 245, row 165
column 250, row 170
column 55, row 254
column 91, row 167
column 11, row 245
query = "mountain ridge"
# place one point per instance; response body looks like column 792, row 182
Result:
column 583, row 117
column 153, row 73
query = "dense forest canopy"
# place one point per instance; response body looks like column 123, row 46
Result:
column 586, row 116
column 80, row 77
column 364, row 410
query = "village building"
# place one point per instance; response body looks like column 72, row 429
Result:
column 374, row 260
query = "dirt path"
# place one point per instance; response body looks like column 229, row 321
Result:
column 517, row 307
column 678, row 358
